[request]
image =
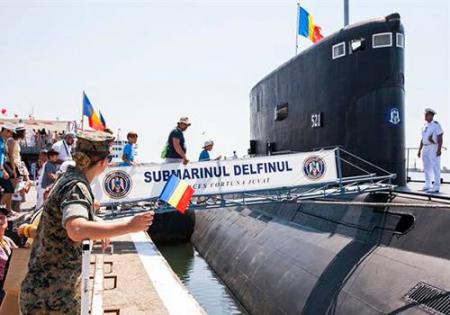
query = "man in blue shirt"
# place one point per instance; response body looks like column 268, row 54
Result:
column 128, row 149
column 207, row 147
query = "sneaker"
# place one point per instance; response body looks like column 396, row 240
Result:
column 425, row 188
column 433, row 190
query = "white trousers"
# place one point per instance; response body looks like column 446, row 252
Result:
column 431, row 166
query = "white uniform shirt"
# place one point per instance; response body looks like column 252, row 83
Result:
column 64, row 150
column 431, row 130
column 40, row 175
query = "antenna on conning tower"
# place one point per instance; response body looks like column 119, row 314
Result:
column 346, row 12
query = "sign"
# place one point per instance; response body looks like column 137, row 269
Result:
column 134, row 183
column 394, row 116
column 316, row 120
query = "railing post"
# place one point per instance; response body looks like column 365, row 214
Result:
column 339, row 168
column 85, row 269
column 407, row 163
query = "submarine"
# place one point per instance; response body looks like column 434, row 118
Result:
column 380, row 252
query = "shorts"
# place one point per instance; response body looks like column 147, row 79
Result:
column 173, row 160
column 7, row 186
column 8, row 168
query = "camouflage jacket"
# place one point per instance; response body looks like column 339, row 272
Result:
column 52, row 285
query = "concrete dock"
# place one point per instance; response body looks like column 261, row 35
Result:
column 133, row 279
column 138, row 280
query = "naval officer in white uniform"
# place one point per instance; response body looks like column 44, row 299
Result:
column 431, row 143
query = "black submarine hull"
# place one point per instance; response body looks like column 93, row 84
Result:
column 287, row 258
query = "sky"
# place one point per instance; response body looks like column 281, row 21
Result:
column 146, row 63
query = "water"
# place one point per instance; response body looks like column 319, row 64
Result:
column 209, row 291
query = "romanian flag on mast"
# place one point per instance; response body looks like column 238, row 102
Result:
column 306, row 26
column 94, row 120
column 177, row 193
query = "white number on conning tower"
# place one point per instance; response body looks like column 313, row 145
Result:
column 316, row 120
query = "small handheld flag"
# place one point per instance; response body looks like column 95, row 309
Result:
column 177, row 193
column 306, row 26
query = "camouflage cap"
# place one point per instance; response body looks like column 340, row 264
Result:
column 94, row 142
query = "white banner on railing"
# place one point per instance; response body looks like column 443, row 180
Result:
column 127, row 184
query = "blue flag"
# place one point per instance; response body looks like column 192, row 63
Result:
column 88, row 110
column 102, row 119
column 303, row 23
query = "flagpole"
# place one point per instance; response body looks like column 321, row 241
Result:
column 346, row 12
column 296, row 31
column 82, row 110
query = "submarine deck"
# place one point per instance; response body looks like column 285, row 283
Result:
column 416, row 188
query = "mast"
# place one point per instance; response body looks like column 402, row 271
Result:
column 346, row 12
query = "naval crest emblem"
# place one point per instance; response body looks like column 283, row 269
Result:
column 117, row 184
column 314, row 167
column 394, row 117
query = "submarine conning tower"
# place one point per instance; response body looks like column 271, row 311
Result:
column 346, row 90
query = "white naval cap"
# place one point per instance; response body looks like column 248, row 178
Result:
column 430, row 110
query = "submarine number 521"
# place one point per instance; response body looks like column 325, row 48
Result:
column 316, row 120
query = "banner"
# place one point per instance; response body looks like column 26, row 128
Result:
column 143, row 182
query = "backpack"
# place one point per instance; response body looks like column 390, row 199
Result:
column 164, row 151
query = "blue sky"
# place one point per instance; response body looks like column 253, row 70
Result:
column 145, row 63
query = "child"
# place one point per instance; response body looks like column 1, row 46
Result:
column 128, row 149
column 204, row 155
column 51, row 168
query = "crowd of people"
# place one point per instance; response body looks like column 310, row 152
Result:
column 65, row 207
column 41, row 137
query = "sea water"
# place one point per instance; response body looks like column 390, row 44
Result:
column 201, row 281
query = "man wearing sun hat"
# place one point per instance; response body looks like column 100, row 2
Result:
column 7, row 131
column 176, row 146
column 64, row 147
column 431, row 143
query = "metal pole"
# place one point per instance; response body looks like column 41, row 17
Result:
column 339, row 168
column 85, row 268
column 82, row 110
column 407, row 163
column 296, row 30
column 346, row 12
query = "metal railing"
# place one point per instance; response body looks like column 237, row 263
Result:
column 371, row 178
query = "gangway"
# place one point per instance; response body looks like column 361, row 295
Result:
column 370, row 178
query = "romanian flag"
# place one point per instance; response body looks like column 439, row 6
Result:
column 177, row 193
column 306, row 26
column 94, row 120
